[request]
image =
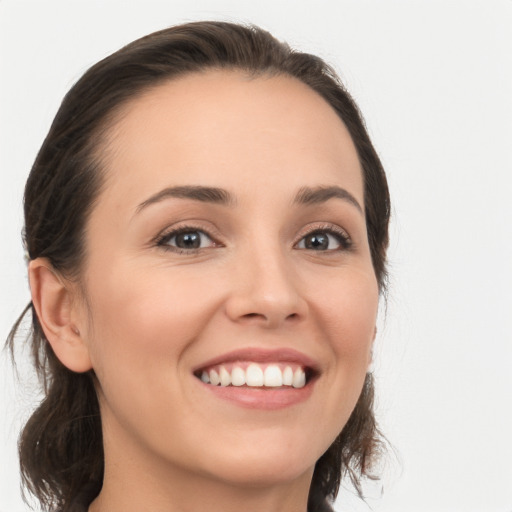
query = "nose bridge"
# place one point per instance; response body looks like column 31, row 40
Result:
column 267, row 289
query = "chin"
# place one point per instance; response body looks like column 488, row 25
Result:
column 263, row 473
column 265, row 462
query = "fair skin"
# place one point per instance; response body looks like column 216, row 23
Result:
column 268, row 269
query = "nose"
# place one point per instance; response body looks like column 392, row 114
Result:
column 265, row 291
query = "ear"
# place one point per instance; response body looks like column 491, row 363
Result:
column 371, row 360
column 55, row 305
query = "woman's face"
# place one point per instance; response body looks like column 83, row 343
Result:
column 229, row 239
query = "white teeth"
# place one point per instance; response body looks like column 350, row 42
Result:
column 254, row 376
column 237, row 376
column 288, row 376
column 273, row 376
column 225, row 377
column 299, row 378
column 214, row 378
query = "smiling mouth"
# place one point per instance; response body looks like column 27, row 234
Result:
column 249, row 374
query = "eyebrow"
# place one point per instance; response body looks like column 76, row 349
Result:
column 307, row 196
column 196, row 192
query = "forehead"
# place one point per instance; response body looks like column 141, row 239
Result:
column 224, row 128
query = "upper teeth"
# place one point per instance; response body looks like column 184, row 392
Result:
column 254, row 375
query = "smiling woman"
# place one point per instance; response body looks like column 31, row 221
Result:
column 206, row 225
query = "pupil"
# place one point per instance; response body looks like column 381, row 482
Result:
column 190, row 240
column 317, row 241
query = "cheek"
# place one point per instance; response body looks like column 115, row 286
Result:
column 348, row 307
column 142, row 328
column 144, row 321
column 348, row 314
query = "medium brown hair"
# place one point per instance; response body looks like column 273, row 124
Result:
column 61, row 451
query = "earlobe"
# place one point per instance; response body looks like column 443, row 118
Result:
column 53, row 301
column 371, row 357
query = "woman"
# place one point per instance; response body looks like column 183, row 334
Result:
column 206, row 224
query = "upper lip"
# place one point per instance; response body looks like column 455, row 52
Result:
column 260, row 355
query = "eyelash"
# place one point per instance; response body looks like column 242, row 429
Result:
column 330, row 229
column 162, row 241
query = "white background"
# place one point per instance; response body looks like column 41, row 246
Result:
column 434, row 81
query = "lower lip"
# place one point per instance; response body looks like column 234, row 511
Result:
column 262, row 398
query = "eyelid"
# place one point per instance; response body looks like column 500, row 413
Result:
column 214, row 235
column 168, row 233
column 328, row 227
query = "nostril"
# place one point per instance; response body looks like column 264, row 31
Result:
column 251, row 316
column 269, row 319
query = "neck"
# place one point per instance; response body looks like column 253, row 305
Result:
column 181, row 494
column 137, row 481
